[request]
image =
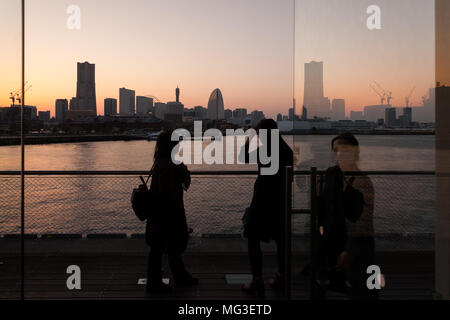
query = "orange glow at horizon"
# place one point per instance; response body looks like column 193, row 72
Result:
column 154, row 46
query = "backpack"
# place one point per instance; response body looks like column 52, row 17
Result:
column 142, row 199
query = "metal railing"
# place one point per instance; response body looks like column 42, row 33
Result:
column 53, row 183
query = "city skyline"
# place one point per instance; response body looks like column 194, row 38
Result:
column 399, row 56
column 250, row 62
column 315, row 104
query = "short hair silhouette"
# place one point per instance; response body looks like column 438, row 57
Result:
column 345, row 138
column 267, row 124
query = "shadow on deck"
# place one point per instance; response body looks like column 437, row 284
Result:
column 112, row 269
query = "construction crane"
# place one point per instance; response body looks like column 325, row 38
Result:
column 17, row 95
column 382, row 96
column 409, row 96
column 388, row 95
column 424, row 100
column 12, row 96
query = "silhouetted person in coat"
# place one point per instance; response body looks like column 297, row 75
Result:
column 267, row 212
column 166, row 230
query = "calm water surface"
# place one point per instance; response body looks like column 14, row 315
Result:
column 214, row 204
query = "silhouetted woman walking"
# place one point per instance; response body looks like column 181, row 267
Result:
column 166, row 230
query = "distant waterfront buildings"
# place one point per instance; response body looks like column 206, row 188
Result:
column 144, row 105
column 390, row 118
column 407, row 113
column 174, row 111
column 73, row 104
column 256, row 117
column 44, row 116
column 200, row 113
column 321, row 124
column 215, row 105
column 375, row 112
column 228, row 114
column 293, row 116
column 61, row 108
column 240, row 113
column 126, row 102
column 159, row 110
column 110, row 106
column 239, row 116
column 338, row 109
column 12, row 114
column 188, row 115
column 356, row 115
column 304, row 113
column 279, row 117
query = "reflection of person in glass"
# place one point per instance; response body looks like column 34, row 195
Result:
column 346, row 206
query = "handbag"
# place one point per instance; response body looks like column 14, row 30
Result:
column 142, row 199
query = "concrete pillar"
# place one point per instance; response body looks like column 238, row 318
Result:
column 442, row 21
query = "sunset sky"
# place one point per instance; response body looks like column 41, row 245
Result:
column 243, row 47
column 400, row 56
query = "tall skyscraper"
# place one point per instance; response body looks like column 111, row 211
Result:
column 177, row 94
column 85, row 99
column 215, row 105
column 126, row 102
column 144, row 105
column 338, row 109
column 61, row 108
column 313, row 98
column 110, row 106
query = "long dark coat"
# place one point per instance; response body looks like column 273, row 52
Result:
column 166, row 228
column 331, row 215
column 268, row 201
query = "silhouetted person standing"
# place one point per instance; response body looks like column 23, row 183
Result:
column 166, row 230
column 346, row 207
column 267, row 211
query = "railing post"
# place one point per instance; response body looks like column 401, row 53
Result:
column 287, row 233
column 313, row 230
column 22, row 168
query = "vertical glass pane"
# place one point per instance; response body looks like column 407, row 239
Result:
column 10, row 93
column 367, row 68
column 442, row 149
column 114, row 73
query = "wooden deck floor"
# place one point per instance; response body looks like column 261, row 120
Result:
column 409, row 275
